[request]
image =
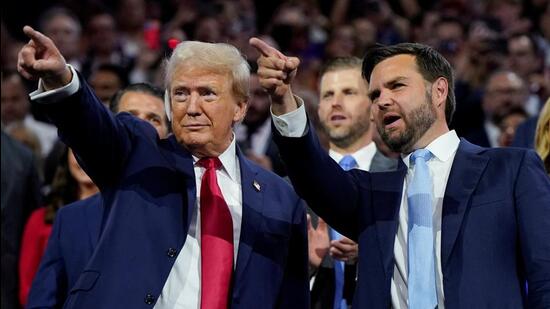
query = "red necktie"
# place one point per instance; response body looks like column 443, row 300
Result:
column 216, row 240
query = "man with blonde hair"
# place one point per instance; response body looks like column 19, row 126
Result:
column 189, row 222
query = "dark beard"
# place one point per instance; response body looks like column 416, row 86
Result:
column 417, row 122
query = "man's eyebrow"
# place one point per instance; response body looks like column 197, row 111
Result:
column 395, row 81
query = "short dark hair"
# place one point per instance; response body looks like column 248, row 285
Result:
column 138, row 87
column 431, row 66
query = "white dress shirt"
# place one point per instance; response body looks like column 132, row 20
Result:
column 182, row 288
column 363, row 156
column 444, row 149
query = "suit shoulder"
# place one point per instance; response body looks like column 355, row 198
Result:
column 78, row 207
column 137, row 127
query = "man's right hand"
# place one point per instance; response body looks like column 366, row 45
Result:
column 275, row 73
column 40, row 59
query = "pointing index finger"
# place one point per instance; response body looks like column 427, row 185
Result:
column 37, row 37
column 265, row 49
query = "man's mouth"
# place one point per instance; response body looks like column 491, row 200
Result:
column 337, row 118
column 391, row 120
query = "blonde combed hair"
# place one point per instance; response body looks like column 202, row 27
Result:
column 219, row 57
column 542, row 136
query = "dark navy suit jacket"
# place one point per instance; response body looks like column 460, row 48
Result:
column 74, row 236
column 495, row 231
column 148, row 190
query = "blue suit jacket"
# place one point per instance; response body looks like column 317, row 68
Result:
column 495, row 222
column 74, row 236
column 148, row 190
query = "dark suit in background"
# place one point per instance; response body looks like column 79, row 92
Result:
column 20, row 195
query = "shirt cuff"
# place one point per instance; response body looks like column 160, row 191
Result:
column 292, row 124
column 40, row 95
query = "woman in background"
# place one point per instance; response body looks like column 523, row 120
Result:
column 70, row 183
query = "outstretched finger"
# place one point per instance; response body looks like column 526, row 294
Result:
column 265, row 49
column 38, row 38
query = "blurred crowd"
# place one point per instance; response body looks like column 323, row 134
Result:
column 500, row 50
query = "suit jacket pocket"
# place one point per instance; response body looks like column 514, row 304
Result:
column 85, row 282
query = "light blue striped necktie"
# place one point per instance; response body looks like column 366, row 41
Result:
column 347, row 163
column 421, row 281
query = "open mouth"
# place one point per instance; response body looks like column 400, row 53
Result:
column 337, row 117
column 390, row 119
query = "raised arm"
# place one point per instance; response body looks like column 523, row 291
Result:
column 100, row 142
column 332, row 193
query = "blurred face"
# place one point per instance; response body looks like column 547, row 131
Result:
column 105, row 85
column 64, row 31
column 15, row 103
column 504, row 91
column 77, row 172
column 258, row 106
column 402, row 104
column 146, row 107
column 521, row 56
column 344, row 109
column 508, row 128
column 204, row 110
column 102, row 33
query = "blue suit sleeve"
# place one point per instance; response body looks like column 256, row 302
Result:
column 49, row 288
column 101, row 142
column 532, row 194
column 330, row 191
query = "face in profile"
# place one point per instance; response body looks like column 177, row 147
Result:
column 344, row 108
column 146, row 107
column 402, row 106
column 204, row 108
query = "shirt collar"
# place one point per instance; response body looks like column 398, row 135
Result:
column 442, row 147
column 362, row 155
column 228, row 159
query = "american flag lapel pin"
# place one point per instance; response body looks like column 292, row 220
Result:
column 256, row 185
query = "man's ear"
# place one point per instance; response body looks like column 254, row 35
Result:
column 440, row 91
column 240, row 111
column 167, row 106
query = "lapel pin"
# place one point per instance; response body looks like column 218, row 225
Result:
column 256, row 185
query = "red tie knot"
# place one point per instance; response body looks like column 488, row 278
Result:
column 210, row 163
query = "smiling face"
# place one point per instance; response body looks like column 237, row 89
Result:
column 204, row 109
column 408, row 110
column 344, row 109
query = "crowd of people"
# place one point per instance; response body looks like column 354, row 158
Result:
column 128, row 52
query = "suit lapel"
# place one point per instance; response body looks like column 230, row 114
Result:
column 252, row 198
column 466, row 171
column 94, row 215
column 386, row 195
column 182, row 161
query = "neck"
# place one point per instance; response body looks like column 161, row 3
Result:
column 359, row 143
column 435, row 131
column 86, row 190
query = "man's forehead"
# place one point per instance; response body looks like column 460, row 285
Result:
column 402, row 65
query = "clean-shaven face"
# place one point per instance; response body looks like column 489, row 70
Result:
column 344, row 108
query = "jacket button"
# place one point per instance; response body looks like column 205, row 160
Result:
column 149, row 299
column 171, row 252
